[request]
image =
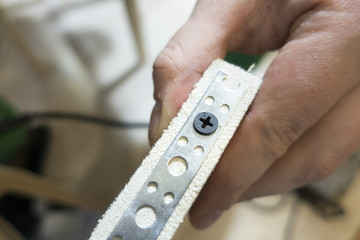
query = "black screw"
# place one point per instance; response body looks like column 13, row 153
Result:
column 205, row 123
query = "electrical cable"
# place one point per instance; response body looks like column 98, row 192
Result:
column 27, row 118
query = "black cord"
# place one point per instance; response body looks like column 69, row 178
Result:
column 27, row 118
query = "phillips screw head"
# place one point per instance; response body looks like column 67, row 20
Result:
column 205, row 123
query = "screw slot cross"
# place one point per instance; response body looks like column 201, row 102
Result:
column 206, row 122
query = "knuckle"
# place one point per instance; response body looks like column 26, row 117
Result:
column 164, row 61
column 320, row 172
column 230, row 181
column 165, row 70
column 326, row 165
column 233, row 184
column 168, row 60
column 276, row 136
column 322, row 166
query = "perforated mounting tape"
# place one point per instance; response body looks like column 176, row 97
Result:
column 172, row 175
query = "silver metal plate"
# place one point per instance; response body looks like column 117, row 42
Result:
column 174, row 172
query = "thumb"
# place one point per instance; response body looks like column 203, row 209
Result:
column 179, row 66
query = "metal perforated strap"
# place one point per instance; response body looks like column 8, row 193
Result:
column 174, row 172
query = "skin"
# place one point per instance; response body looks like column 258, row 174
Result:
column 304, row 122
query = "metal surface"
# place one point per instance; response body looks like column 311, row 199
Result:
column 174, row 172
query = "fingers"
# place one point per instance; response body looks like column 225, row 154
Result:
column 317, row 153
column 314, row 70
column 301, row 85
column 213, row 29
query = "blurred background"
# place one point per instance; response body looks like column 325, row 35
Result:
column 75, row 101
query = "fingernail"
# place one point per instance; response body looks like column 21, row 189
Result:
column 154, row 122
column 207, row 219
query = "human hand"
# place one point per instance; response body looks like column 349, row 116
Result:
column 304, row 121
